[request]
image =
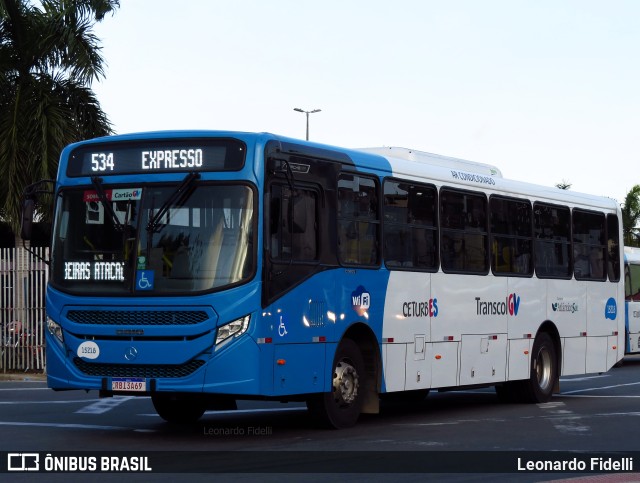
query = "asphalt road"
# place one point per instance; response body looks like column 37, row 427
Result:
column 593, row 416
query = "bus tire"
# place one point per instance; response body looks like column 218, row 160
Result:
column 544, row 371
column 178, row 409
column 341, row 407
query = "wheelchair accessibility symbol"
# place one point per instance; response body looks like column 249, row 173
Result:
column 144, row 280
column 282, row 330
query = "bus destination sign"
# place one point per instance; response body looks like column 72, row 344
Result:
column 157, row 157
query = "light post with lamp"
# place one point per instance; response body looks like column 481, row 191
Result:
column 307, row 113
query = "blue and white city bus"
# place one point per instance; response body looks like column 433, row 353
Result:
column 632, row 299
column 200, row 268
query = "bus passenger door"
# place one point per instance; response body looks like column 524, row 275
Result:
column 296, row 290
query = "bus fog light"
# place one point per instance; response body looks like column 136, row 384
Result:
column 55, row 329
column 233, row 329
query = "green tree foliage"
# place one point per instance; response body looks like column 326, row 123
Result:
column 49, row 57
column 631, row 217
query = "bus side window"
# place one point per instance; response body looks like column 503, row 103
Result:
column 511, row 235
column 613, row 245
column 275, row 220
column 552, row 228
column 358, row 220
column 589, row 245
column 464, row 231
column 293, row 225
column 410, row 224
column 304, row 225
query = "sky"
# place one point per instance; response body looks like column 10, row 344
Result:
column 546, row 90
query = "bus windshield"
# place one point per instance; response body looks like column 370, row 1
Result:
column 147, row 240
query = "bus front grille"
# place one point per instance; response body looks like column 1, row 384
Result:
column 137, row 370
column 142, row 317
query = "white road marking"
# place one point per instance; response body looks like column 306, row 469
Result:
column 550, row 404
column 600, row 388
column 27, row 389
column 257, row 411
column 243, row 411
column 64, row 425
column 73, row 401
column 586, row 378
column 454, row 422
column 104, row 405
column 633, row 413
column 564, row 420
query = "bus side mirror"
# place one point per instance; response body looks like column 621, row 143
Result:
column 28, row 209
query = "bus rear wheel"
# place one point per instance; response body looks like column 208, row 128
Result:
column 544, row 371
column 341, row 407
column 179, row 409
column 542, row 377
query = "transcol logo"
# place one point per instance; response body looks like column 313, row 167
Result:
column 510, row 305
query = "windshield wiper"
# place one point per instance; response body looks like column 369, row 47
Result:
column 102, row 196
column 177, row 197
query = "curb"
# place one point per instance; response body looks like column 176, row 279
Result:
column 23, row 376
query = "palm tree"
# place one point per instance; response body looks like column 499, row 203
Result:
column 631, row 217
column 49, row 57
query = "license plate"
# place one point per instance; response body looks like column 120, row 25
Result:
column 132, row 384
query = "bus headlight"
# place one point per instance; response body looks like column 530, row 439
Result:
column 233, row 329
column 55, row 329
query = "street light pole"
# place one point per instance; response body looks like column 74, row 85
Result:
column 307, row 113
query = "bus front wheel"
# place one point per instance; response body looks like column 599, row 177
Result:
column 341, row 407
column 179, row 409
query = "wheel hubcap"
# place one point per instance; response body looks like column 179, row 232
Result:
column 345, row 383
column 543, row 368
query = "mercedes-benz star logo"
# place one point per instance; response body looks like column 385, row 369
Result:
column 131, row 353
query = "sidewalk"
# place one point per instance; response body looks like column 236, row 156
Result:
column 23, row 376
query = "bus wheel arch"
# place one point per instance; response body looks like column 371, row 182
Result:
column 354, row 372
column 544, row 367
column 551, row 329
column 544, row 370
column 368, row 345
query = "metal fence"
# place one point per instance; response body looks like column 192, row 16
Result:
column 23, row 281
